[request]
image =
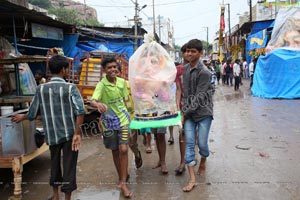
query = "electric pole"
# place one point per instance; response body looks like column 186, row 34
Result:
column 153, row 17
column 229, row 24
column 136, row 19
column 159, row 30
column 250, row 7
column 206, row 53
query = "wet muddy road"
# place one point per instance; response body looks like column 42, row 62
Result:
column 254, row 146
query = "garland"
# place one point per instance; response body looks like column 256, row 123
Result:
column 257, row 52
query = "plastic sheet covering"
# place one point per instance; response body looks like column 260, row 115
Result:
column 277, row 75
column 151, row 75
column 27, row 81
column 286, row 31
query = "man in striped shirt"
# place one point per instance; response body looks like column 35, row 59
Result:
column 62, row 109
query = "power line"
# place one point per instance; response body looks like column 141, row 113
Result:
column 188, row 18
column 186, row 36
column 130, row 6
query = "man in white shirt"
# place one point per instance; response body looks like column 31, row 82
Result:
column 236, row 74
column 245, row 67
column 251, row 70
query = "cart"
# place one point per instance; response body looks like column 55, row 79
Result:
column 25, row 129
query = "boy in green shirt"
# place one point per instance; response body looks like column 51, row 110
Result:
column 108, row 98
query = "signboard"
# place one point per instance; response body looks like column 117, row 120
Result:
column 42, row 31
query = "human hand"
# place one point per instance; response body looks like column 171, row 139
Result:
column 18, row 118
column 76, row 142
column 101, row 107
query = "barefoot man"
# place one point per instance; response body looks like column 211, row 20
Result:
column 197, row 109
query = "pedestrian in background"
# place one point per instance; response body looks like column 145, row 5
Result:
column 160, row 139
column 38, row 76
column 229, row 72
column 179, row 102
column 133, row 133
column 62, row 110
column 198, row 114
column 236, row 73
column 223, row 70
column 251, row 70
column 218, row 71
column 245, row 68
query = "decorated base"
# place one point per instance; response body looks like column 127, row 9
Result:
column 156, row 122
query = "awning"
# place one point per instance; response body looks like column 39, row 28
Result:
column 257, row 40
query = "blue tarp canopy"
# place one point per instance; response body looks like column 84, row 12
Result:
column 257, row 40
column 258, row 37
column 277, row 75
column 260, row 25
column 40, row 46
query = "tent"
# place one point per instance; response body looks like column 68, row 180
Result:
column 277, row 75
column 259, row 36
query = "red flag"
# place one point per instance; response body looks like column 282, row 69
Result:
column 222, row 20
column 222, row 23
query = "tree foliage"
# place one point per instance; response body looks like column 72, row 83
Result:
column 92, row 22
column 66, row 15
column 46, row 4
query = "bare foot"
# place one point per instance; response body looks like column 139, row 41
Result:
column 148, row 149
column 189, row 187
column 201, row 170
column 180, row 169
column 125, row 191
column 118, row 184
column 164, row 169
column 157, row 166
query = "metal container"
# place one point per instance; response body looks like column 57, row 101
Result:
column 17, row 138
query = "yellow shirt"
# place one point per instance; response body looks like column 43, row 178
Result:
column 129, row 102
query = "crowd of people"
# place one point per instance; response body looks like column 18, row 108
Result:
column 232, row 72
column 62, row 110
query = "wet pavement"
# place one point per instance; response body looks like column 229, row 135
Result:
column 254, row 146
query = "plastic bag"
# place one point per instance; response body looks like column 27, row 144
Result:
column 286, row 31
column 151, row 75
column 27, row 81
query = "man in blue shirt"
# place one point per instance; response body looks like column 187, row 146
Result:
column 62, row 109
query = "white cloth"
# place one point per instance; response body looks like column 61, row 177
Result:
column 251, row 68
column 245, row 65
column 236, row 69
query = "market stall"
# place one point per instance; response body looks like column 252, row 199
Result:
column 17, row 142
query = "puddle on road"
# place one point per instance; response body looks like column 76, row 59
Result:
column 230, row 97
column 93, row 193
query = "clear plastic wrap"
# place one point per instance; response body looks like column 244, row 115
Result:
column 27, row 81
column 151, row 75
column 286, row 31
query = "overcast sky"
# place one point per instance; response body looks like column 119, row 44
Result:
column 188, row 17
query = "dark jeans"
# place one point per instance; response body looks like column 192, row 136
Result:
column 68, row 178
column 229, row 78
column 251, row 80
column 236, row 82
column 224, row 79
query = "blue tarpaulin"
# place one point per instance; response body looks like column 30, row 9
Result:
column 258, row 36
column 257, row 40
column 67, row 45
column 40, row 46
column 260, row 25
column 277, row 75
column 121, row 46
